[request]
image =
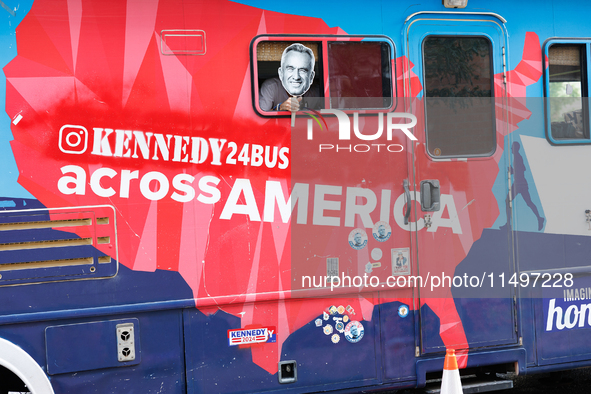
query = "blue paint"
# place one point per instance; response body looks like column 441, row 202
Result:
column 10, row 204
column 127, row 288
column 539, row 253
column 487, row 312
column 430, row 325
column 526, row 220
column 334, row 14
column 213, row 366
column 161, row 368
column 8, row 51
column 398, row 337
column 69, row 346
column 563, row 324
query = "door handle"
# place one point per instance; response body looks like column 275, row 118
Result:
column 407, row 195
column 430, row 195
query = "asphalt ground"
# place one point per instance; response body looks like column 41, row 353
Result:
column 576, row 381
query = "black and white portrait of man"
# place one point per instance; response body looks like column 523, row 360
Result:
column 382, row 231
column 296, row 75
column 354, row 331
column 357, row 239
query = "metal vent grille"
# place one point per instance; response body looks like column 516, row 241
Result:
column 57, row 244
column 565, row 55
column 272, row 50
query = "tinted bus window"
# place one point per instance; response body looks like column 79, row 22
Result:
column 568, row 115
column 360, row 75
column 458, row 90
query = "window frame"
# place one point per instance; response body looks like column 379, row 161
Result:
column 585, row 83
column 323, row 40
column 493, row 97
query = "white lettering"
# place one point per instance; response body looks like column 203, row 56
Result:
column 200, row 150
column 364, row 137
column 256, row 155
column 162, row 189
column 270, row 162
column 344, row 123
column 126, row 177
column 142, row 143
column 284, row 159
column 214, row 193
column 216, row 150
column 404, row 126
column 363, row 210
column 552, row 310
column 584, row 309
column 452, row 222
column 101, row 144
column 241, row 187
column 95, row 182
column 321, row 205
column 274, row 195
column 181, row 152
column 162, row 146
column 187, row 189
column 79, row 181
column 385, row 206
column 122, row 138
column 571, row 316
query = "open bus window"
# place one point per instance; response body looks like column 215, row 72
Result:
column 360, row 75
column 347, row 73
column 568, row 115
column 300, row 75
column 458, row 89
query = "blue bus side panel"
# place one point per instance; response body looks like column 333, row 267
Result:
column 88, row 346
column 162, row 363
column 215, row 366
column 398, row 342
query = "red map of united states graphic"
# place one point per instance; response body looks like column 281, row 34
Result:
column 101, row 65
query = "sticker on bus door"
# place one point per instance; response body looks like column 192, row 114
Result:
column 251, row 336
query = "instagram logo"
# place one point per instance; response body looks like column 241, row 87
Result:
column 73, row 139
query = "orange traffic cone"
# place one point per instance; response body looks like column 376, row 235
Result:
column 451, row 383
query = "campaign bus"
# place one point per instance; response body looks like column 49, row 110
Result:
column 260, row 196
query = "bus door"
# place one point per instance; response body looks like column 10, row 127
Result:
column 553, row 244
column 460, row 183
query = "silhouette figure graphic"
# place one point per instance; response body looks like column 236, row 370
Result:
column 520, row 186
